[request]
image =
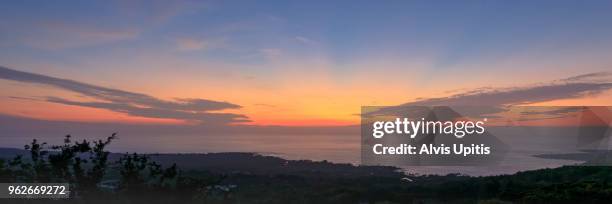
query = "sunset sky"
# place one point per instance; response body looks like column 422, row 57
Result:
column 295, row 63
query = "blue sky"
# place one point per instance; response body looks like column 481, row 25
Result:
column 458, row 31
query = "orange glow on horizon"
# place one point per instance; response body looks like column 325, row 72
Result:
column 305, row 123
column 325, row 103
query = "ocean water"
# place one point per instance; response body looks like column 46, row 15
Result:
column 334, row 148
column 337, row 148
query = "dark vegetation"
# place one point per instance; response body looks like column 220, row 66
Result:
column 97, row 176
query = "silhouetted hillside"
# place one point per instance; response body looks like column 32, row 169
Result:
column 249, row 163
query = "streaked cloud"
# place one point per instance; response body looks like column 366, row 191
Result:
column 572, row 87
column 591, row 77
column 305, row 40
column 271, row 53
column 160, row 11
column 131, row 103
column 494, row 100
column 63, row 35
column 196, row 44
column 189, row 44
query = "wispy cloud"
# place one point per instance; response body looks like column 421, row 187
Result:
column 493, row 100
column 110, row 23
column 161, row 11
column 271, row 53
column 601, row 77
column 135, row 104
column 572, row 87
column 305, row 40
column 265, row 105
column 195, row 44
column 57, row 35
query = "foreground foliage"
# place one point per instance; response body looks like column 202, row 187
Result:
column 95, row 177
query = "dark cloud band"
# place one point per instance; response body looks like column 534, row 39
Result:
column 135, row 104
